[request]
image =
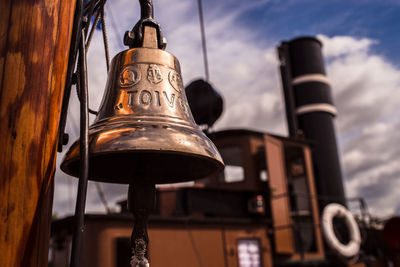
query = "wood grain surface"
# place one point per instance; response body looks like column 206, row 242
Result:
column 34, row 44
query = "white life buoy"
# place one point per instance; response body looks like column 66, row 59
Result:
column 347, row 250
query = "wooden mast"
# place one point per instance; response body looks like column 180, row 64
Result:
column 34, row 43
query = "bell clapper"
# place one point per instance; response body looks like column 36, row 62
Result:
column 141, row 200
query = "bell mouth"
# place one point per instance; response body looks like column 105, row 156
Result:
column 155, row 167
column 159, row 150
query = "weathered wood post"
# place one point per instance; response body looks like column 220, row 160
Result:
column 34, row 43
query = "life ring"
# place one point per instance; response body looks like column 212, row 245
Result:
column 347, row 250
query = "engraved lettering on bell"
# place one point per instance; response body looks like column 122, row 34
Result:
column 154, row 98
column 154, row 74
column 157, row 94
column 119, row 106
column 183, row 106
column 175, row 80
column 145, row 97
column 170, row 101
column 129, row 77
column 130, row 99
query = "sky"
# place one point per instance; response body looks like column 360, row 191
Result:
column 360, row 40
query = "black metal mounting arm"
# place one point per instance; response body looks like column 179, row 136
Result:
column 134, row 37
column 146, row 9
column 141, row 201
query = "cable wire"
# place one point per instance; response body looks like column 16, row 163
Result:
column 113, row 24
column 196, row 250
column 89, row 39
column 84, row 159
column 102, row 197
column 78, row 88
column 203, row 40
column 93, row 7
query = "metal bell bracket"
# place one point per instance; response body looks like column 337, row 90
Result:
column 136, row 36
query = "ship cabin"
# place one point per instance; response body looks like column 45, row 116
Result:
column 260, row 211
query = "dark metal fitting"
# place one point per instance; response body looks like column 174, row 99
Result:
column 129, row 38
column 74, row 78
column 84, row 21
column 134, row 38
column 65, row 139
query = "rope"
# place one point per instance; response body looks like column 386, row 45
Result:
column 78, row 88
column 92, row 31
column 113, row 24
column 105, row 40
column 91, row 8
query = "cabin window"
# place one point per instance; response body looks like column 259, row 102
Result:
column 249, row 253
column 60, row 251
column 234, row 174
column 261, row 165
column 122, row 252
column 234, row 171
column 300, row 199
column 264, row 175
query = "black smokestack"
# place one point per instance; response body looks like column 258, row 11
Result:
column 310, row 111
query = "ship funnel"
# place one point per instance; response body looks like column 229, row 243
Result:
column 310, row 112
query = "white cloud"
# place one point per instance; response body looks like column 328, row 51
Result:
column 365, row 88
column 344, row 45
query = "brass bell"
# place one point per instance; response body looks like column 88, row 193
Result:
column 144, row 128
